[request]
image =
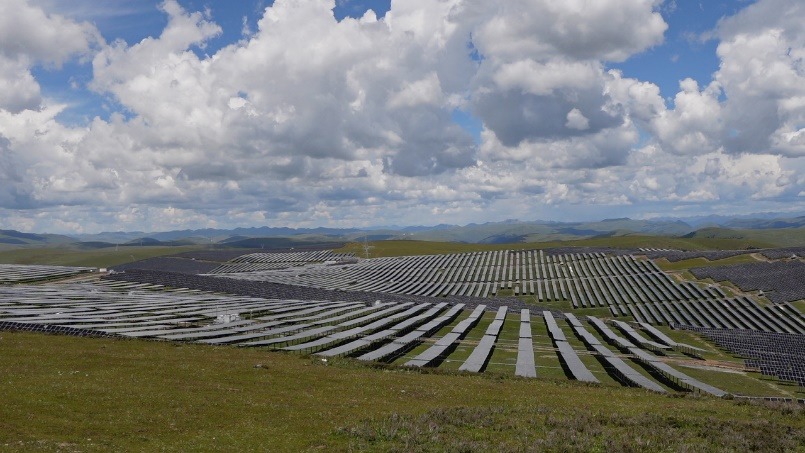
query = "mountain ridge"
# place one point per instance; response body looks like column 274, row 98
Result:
column 508, row 230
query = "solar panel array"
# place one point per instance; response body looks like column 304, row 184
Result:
column 383, row 331
column 525, row 348
column 18, row 273
column 613, row 363
column 428, row 310
column 114, row 308
column 627, row 286
column 480, row 355
column 653, row 361
column 441, row 347
column 780, row 281
column 568, row 356
column 774, row 354
column 271, row 261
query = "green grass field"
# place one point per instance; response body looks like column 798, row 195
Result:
column 81, row 394
column 666, row 265
column 404, row 248
column 407, row 248
column 67, row 256
column 106, row 257
column 78, row 394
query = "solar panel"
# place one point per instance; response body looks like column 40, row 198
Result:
column 369, row 339
column 525, row 365
column 406, row 340
column 444, row 343
column 480, row 355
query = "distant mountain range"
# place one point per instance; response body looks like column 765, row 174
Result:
column 761, row 224
column 209, row 235
column 761, row 220
column 492, row 232
column 506, row 231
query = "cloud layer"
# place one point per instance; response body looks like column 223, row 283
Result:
column 312, row 121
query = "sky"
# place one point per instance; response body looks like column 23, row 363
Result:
column 163, row 115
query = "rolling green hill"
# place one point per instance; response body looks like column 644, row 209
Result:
column 779, row 237
column 515, row 231
column 94, row 394
column 92, row 257
column 16, row 238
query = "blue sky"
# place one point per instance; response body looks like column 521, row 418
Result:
column 689, row 50
column 159, row 115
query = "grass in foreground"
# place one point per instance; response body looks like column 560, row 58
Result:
column 541, row 428
column 101, row 394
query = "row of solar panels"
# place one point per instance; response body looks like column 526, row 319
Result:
column 293, row 257
column 729, row 313
column 632, row 287
column 480, row 267
column 588, row 280
column 18, row 273
column 775, row 354
column 376, row 332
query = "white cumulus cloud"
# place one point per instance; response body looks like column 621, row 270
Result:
column 308, row 119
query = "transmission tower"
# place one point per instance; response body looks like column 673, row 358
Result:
column 366, row 247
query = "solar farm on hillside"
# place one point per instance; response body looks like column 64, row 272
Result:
column 593, row 316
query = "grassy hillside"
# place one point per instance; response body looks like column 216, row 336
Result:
column 665, row 265
column 486, row 232
column 627, row 233
column 780, row 237
column 12, row 238
column 682, row 243
column 404, row 248
column 83, row 394
column 105, row 257
column 517, row 231
column 109, row 256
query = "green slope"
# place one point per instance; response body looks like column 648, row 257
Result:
column 779, row 237
column 103, row 257
column 89, row 394
column 12, row 239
